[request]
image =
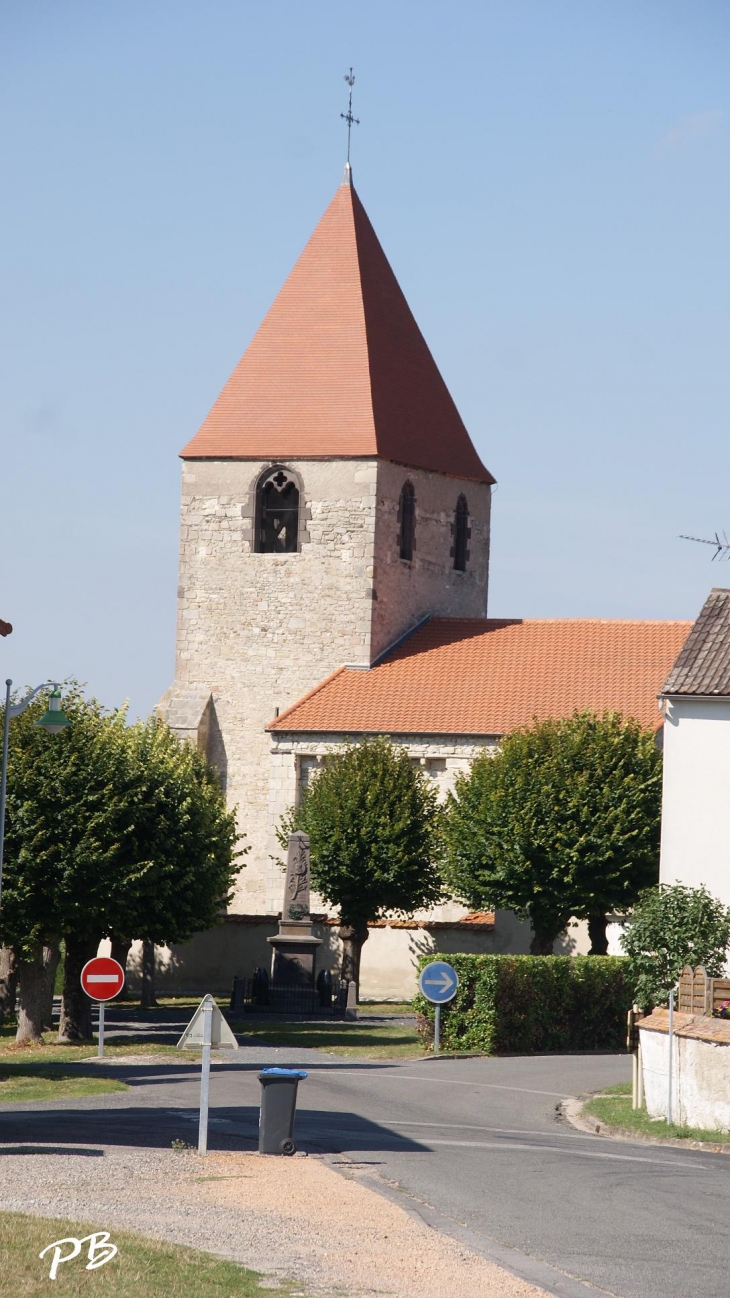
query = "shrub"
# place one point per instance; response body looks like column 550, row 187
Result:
column 525, row 1004
column 672, row 926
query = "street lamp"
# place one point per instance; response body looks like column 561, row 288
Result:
column 53, row 720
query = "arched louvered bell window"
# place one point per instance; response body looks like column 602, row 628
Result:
column 461, row 534
column 407, row 518
column 277, row 512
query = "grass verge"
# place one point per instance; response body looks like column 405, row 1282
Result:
column 41, row 1082
column 352, row 1040
column 613, row 1107
column 142, row 1268
column 51, row 1053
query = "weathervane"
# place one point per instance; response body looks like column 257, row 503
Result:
column 722, row 547
column 348, row 117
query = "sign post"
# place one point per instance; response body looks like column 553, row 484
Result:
column 208, row 1029
column 670, row 1034
column 439, row 983
column 102, row 979
column 205, row 1078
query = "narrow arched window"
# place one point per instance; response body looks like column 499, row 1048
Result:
column 407, row 520
column 461, row 534
column 277, row 512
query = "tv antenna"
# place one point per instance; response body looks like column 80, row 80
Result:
column 348, row 117
column 721, row 544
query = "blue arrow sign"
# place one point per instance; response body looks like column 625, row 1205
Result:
column 438, row 982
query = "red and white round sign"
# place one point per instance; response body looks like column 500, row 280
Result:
column 102, row 978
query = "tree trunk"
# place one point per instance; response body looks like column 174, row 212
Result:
column 353, row 936
column 147, row 999
column 75, row 1024
column 545, row 929
column 31, row 985
column 597, row 934
column 51, row 957
column 121, row 946
column 8, row 983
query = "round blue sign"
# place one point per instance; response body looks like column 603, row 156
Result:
column 438, row 982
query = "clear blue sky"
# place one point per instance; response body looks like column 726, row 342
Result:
column 551, row 184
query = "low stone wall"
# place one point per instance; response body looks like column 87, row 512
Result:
column 389, row 968
column 700, row 1069
column 210, row 960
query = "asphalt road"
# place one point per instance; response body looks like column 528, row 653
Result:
column 475, row 1145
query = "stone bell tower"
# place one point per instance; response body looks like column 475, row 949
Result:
column 331, row 500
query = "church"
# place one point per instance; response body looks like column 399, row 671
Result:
column 333, row 583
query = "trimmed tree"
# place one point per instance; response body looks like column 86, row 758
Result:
column 111, row 829
column 372, row 817
column 562, row 821
column 672, row 926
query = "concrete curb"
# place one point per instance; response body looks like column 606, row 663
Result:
column 573, row 1111
column 443, row 1054
column 541, row 1275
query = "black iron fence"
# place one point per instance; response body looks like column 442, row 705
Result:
column 257, row 995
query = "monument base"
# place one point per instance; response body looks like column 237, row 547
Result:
column 294, row 957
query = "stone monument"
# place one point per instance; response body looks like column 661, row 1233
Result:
column 295, row 947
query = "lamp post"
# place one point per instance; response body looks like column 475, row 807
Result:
column 53, row 720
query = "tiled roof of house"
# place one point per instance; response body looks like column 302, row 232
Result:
column 488, row 676
column 703, row 665
column 339, row 367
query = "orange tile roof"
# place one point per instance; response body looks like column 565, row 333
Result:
column 339, row 367
column 488, row 676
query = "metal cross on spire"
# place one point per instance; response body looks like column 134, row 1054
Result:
column 348, row 117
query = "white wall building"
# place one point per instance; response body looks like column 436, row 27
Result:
column 695, row 701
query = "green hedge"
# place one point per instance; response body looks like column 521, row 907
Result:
column 532, row 1004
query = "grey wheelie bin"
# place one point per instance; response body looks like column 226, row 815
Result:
column 278, row 1106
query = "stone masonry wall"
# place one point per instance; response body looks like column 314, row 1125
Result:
column 257, row 631
column 406, row 591
column 260, row 630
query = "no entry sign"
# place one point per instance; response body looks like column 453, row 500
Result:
column 102, row 978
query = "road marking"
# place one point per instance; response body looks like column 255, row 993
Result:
column 451, row 1081
column 555, row 1149
column 507, row 1131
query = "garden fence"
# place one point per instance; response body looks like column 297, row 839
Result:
column 699, row 994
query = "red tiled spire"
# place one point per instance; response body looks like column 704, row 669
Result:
column 339, row 368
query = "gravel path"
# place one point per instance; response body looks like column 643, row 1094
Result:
column 295, row 1218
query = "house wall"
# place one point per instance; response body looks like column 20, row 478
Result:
column 695, row 841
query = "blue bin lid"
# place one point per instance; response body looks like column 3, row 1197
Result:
column 283, row 1072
